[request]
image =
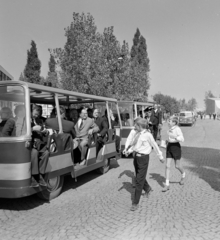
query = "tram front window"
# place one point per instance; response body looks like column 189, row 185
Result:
column 12, row 111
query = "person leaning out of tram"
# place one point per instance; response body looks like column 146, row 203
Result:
column 39, row 155
column 103, row 129
column 84, row 127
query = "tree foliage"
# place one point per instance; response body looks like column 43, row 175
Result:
column 52, row 77
column 169, row 103
column 33, row 66
column 188, row 106
column 96, row 63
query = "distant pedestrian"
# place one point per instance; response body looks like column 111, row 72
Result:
column 214, row 116
column 174, row 151
column 210, row 115
column 141, row 148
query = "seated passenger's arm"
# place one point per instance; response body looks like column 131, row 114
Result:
column 94, row 128
column 104, row 128
column 8, row 128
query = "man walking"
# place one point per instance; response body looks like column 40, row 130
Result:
column 141, row 148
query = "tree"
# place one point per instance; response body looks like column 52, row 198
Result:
column 22, row 78
column 140, row 65
column 191, row 105
column 208, row 94
column 33, row 66
column 96, row 63
column 169, row 103
column 52, row 74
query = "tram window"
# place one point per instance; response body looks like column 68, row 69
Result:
column 126, row 113
column 12, row 111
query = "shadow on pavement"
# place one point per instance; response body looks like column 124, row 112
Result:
column 204, row 162
column 157, row 177
column 31, row 202
column 128, row 187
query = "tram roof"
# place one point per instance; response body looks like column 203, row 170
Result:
column 44, row 94
column 138, row 103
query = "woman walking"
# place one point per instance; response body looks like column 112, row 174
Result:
column 175, row 136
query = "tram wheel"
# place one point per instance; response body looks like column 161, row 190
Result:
column 53, row 190
column 104, row 169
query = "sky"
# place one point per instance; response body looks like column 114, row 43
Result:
column 182, row 36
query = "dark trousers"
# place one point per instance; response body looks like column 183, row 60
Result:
column 155, row 132
column 39, row 161
column 117, row 143
column 141, row 166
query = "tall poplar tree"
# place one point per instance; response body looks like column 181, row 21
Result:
column 52, row 74
column 33, row 66
column 140, row 66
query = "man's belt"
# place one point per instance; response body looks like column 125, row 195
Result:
column 140, row 154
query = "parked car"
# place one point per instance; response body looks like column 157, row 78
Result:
column 186, row 118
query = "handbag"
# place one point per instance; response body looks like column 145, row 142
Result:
column 163, row 144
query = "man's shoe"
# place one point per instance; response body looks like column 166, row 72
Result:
column 147, row 193
column 166, row 188
column 134, row 207
column 34, row 183
column 83, row 162
column 182, row 181
column 42, row 182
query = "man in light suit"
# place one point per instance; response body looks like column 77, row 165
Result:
column 84, row 127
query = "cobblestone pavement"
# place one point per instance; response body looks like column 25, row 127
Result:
column 98, row 206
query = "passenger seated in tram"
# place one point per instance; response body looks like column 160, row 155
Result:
column 7, row 124
column 36, row 122
column 90, row 112
column 128, row 120
column 53, row 113
column 43, row 119
column 84, row 127
column 103, row 129
column 68, row 126
column 74, row 115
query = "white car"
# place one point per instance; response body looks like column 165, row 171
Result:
column 186, row 118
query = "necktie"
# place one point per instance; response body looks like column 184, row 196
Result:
column 136, row 139
column 81, row 124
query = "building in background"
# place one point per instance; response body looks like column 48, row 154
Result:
column 4, row 75
column 213, row 106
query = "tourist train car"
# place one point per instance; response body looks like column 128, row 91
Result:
column 15, row 150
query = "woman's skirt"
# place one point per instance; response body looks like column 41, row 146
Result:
column 173, row 151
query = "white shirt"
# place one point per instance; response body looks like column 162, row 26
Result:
column 130, row 138
column 175, row 134
column 145, row 143
column 79, row 122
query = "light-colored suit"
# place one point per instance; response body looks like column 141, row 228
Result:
column 82, row 134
